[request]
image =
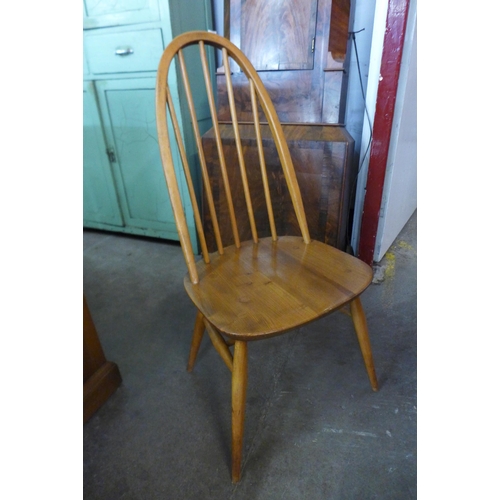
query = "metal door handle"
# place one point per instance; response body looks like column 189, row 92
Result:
column 124, row 51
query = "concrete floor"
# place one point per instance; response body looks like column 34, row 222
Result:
column 314, row 428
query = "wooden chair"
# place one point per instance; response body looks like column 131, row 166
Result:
column 250, row 290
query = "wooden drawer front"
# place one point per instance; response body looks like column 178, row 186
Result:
column 124, row 52
column 101, row 13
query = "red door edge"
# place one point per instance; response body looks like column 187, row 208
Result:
column 392, row 52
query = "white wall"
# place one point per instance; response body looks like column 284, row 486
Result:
column 362, row 14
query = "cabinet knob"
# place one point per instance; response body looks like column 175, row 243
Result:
column 124, row 51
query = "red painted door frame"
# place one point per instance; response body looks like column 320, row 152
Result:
column 392, row 52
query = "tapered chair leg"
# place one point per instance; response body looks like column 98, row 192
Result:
column 238, row 393
column 199, row 330
column 359, row 320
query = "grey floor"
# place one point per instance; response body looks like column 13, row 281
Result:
column 314, row 428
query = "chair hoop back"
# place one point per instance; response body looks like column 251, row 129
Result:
column 166, row 108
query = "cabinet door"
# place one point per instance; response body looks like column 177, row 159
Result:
column 102, row 13
column 128, row 112
column 287, row 41
column 100, row 203
column 278, row 35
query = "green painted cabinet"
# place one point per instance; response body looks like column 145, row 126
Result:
column 123, row 184
column 103, row 13
column 100, row 199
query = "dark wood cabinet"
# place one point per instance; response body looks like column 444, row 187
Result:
column 299, row 49
column 321, row 156
column 279, row 35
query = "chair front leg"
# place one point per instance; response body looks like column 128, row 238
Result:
column 238, row 395
column 359, row 320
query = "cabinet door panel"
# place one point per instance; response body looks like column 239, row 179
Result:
column 130, row 125
column 278, row 35
column 100, row 203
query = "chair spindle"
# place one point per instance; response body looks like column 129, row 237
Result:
column 187, row 173
column 262, row 161
column 201, row 154
column 239, row 148
column 222, row 160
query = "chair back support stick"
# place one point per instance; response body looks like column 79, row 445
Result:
column 170, row 177
column 239, row 149
column 277, row 134
column 218, row 140
column 262, row 161
column 201, row 154
column 187, row 174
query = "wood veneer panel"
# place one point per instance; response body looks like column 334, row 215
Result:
column 278, row 35
column 339, row 29
column 303, row 92
column 321, row 157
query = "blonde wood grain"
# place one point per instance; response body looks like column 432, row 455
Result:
column 266, row 289
column 238, row 396
column 239, row 148
column 199, row 330
column 265, row 182
column 201, row 154
column 220, row 345
column 359, row 320
column 215, row 124
column 187, row 174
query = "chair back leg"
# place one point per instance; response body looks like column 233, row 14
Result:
column 199, row 330
column 359, row 320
